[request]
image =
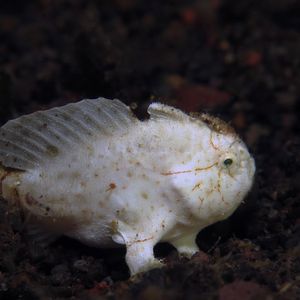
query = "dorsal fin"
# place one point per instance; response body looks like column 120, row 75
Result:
column 27, row 141
column 162, row 111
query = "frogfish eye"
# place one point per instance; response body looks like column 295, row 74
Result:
column 228, row 162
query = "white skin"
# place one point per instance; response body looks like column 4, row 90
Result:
column 163, row 180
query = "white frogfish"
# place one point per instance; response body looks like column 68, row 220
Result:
column 93, row 172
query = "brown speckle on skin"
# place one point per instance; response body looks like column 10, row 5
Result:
column 75, row 174
column 52, row 151
column 42, row 127
column 90, row 150
column 79, row 196
column 111, row 187
column 82, row 184
column 101, row 204
column 114, row 226
column 164, row 195
column 145, row 195
column 59, row 175
column 181, row 149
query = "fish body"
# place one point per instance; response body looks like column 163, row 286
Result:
column 94, row 172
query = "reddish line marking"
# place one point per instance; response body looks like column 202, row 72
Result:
column 206, row 168
column 211, row 142
column 140, row 241
column 175, row 173
column 189, row 171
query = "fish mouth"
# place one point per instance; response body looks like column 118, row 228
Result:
column 247, row 171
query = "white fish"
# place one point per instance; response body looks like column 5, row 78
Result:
column 92, row 171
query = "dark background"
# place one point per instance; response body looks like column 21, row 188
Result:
column 236, row 59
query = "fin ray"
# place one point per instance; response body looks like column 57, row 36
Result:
column 27, row 152
column 32, row 144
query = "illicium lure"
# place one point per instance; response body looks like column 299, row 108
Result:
column 92, row 171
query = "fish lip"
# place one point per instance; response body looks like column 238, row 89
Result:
column 252, row 167
column 248, row 165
